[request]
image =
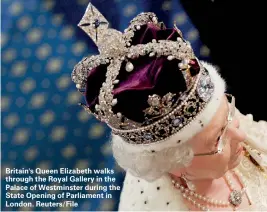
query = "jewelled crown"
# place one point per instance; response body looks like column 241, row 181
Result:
column 146, row 83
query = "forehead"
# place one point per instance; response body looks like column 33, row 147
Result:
column 209, row 134
column 218, row 121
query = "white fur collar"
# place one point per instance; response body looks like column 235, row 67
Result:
column 140, row 195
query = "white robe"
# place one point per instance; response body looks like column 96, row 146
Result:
column 160, row 195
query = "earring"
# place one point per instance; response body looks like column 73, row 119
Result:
column 189, row 183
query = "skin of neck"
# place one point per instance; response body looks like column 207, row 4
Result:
column 208, row 185
column 202, row 186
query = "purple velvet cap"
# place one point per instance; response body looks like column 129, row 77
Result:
column 151, row 75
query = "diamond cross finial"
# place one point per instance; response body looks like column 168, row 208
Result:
column 93, row 23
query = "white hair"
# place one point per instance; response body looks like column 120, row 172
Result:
column 150, row 165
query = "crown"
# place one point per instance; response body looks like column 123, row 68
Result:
column 167, row 113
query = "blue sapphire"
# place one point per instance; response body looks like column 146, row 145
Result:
column 176, row 122
column 97, row 23
column 148, row 136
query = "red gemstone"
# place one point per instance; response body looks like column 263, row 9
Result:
column 194, row 67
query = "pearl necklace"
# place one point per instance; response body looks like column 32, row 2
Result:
column 235, row 197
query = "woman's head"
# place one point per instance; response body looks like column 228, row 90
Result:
column 205, row 166
column 150, row 89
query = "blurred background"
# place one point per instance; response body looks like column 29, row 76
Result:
column 42, row 124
